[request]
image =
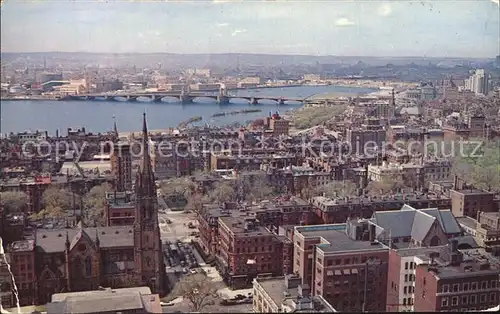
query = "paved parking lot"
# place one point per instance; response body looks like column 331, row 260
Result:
column 178, row 228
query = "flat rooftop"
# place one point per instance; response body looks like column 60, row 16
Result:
column 279, row 293
column 335, row 240
column 237, row 226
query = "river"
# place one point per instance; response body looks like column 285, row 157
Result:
column 97, row 116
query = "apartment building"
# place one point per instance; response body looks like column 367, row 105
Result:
column 457, row 281
column 468, row 202
column 121, row 166
column 485, row 230
column 286, row 295
column 120, row 209
column 401, row 277
column 338, row 210
column 248, row 250
column 343, row 265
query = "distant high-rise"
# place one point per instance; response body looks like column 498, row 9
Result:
column 478, row 82
column 497, row 62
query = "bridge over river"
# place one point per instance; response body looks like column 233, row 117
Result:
column 184, row 98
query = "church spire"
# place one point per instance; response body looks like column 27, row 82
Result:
column 146, row 159
column 115, row 129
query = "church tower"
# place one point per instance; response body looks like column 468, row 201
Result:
column 147, row 242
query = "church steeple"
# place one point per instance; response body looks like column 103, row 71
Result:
column 145, row 181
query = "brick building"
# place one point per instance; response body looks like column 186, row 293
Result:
column 457, row 281
column 485, row 230
column 286, row 294
column 343, row 265
column 82, row 259
column 120, row 209
column 340, row 209
column 272, row 214
column 247, row 250
column 468, row 202
column 121, row 166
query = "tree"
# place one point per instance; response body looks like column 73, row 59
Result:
column 312, row 116
column 254, row 188
column 178, row 190
column 481, row 167
column 57, row 199
column 198, row 289
column 336, row 189
column 385, row 186
column 224, row 191
column 94, row 203
column 13, row 202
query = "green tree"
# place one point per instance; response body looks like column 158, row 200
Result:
column 384, row 187
column 57, row 199
column 479, row 167
column 311, row 116
column 13, row 202
column 94, row 203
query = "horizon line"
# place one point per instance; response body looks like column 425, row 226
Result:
column 245, row 53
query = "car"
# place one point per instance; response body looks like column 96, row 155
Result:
column 168, row 221
column 193, row 271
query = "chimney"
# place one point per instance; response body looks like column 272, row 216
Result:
column 454, row 245
column 372, row 232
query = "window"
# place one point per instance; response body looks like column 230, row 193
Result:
column 412, row 277
column 473, row 299
column 465, row 299
column 406, row 277
column 455, row 287
column 412, row 265
column 466, row 286
column 444, row 302
column 347, row 261
column 454, row 301
column 404, row 290
column 445, row 288
column 482, row 298
column 493, row 283
column 493, row 296
column 404, row 301
column 406, row 265
column 88, row 266
column 337, row 262
column 484, row 284
column 474, row 286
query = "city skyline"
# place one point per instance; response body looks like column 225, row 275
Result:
column 377, row 29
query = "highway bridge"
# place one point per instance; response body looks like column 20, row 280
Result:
column 184, row 98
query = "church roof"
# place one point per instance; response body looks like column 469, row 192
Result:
column 53, row 241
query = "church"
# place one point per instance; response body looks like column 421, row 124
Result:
column 69, row 260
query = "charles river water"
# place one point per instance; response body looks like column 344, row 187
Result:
column 97, row 116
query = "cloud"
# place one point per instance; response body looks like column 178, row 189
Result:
column 385, row 9
column 238, row 31
column 344, row 22
column 496, row 1
column 222, row 24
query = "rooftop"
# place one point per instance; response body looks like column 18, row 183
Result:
column 282, row 295
column 242, row 225
column 333, row 239
column 107, row 300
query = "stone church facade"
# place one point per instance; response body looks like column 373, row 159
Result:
column 64, row 260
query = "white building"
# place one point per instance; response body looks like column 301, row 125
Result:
column 478, row 82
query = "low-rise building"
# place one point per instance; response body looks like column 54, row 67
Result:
column 485, row 230
column 468, row 202
column 247, row 250
column 286, row 295
column 125, row 300
column 338, row 210
column 457, row 281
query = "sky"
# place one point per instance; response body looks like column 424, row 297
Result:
column 437, row 28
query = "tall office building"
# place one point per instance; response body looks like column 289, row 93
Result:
column 478, row 82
